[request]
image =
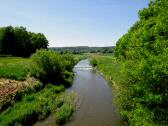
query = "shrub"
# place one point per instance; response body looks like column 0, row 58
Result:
column 69, row 61
column 94, row 62
column 47, row 66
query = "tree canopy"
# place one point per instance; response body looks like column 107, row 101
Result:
column 144, row 53
column 17, row 41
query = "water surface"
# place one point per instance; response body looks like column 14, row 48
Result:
column 95, row 99
column 95, row 106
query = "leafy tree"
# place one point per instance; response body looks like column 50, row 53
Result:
column 17, row 41
column 7, row 40
column 21, row 42
column 38, row 41
column 144, row 53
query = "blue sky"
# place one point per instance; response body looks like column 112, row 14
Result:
column 73, row 22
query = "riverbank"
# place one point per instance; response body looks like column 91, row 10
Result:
column 108, row 67
column 28, row 99
column 111, row 70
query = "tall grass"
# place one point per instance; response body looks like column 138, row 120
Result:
column 108, row 66
column 65, row 111
column 32, row 107
column 14, row 67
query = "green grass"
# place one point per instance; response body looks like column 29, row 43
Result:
column 6, row 102
column 37, row 106
column 108, row 66
column 64, row 113
column 18, row 68
column 32, row 107
column 14, row 67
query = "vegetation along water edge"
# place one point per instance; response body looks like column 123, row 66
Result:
column 140, row 68
column 39, row 91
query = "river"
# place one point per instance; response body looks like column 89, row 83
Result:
column 95, row 99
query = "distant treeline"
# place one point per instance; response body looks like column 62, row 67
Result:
column 84, row 49
column 17, row 41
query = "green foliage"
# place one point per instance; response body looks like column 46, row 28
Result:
column 49, row 66
column 109, row 67
column 15, row 97
column 14, row 67
column 32, row 107
column 37, row 106
column 78, row 57
column 68, row 61
column 66, row 109
column 144, row 53
column 17, row 41
column 63, row 113
column 94, row 62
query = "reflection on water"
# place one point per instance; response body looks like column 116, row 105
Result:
column 95, row 100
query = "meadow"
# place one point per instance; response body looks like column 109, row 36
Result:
column 14, row 67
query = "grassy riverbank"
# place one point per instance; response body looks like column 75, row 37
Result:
column 112, row 70
column 37, row 106
column 130, row 99
column 108, row 66
column 27, row 96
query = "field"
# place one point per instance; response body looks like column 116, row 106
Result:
column 14, row 67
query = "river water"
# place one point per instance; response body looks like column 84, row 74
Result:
column 95, row 100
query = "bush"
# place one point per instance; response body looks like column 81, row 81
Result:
column 69, row 61
column 49, row 66
column 94, row 62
